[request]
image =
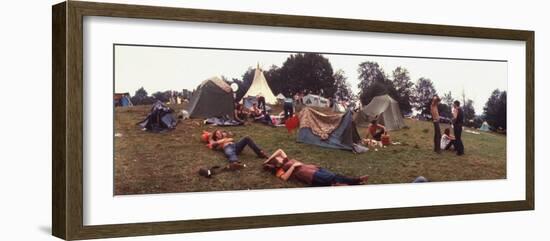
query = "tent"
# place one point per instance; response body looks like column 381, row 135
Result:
column 122, row 99
column 332, row 131
column 260, row 87
column 212, row 98
column 385, row 109
column 484, row 126
column 160, row 119
column 315, row 101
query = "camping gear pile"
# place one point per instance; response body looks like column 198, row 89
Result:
column 159, row 119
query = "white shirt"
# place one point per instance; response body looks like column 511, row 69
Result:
column 445, row 140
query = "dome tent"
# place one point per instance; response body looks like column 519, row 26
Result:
column 212, row 98
column 386, row 110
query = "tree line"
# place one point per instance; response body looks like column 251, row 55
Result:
column 313, row 73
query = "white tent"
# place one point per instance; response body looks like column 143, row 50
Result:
column 315, row 100
column 280, row 96
column 260, row 87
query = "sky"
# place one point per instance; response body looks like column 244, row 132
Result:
column 168, row 68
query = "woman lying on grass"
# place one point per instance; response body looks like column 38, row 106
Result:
column 221, row 140
column 284, row 168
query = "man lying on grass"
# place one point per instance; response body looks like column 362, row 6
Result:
column 284, row 168
column 220, row 140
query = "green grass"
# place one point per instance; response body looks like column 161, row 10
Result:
column 168, row 162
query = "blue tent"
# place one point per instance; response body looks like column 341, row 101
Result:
column 342, row 136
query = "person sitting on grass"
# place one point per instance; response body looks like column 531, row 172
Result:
column 375, row 130
column 222, row 141
column 447, row 140
column 241, row 113
column 284, row 168
column 260, row 116
column 255, row 111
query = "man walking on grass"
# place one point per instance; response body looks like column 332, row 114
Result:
column 435, row 117
column 458, row 121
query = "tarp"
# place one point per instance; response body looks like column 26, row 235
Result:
column 260, row 87
column 216, row 121
column 331, row 131
column 386, row 110
column 212, row 98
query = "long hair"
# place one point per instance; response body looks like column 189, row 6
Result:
column 214, row 135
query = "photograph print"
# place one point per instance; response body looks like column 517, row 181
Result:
column 193, row 119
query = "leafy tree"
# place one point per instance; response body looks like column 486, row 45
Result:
column 141, row 97
column 343, row 88
column 308, row 72
column 445, row 110
column 424, row 91
column 374, row 81
column 245, row 83
column 162, row 96
column 495, row 109
column 447, row 99
column 186, row 94
column 402, row 86
column 273, row 76
column 469, row 111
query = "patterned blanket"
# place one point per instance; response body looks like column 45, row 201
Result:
column 320, row 124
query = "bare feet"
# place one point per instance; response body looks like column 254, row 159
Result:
column 364, row 179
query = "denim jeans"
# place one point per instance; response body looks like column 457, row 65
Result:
column 234, row 149
column 437, row 136
column 288, row 110
column 459, row 146
column 378, row 135
column 324, row 177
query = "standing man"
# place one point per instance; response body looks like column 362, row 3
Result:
column 458, row 121
column 435, row 117
column 288, row 107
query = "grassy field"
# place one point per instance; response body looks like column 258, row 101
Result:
column 168, row 162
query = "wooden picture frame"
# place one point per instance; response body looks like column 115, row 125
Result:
column 67, row 123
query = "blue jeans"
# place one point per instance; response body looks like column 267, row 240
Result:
column 437, row 137
column 459, row 146
column 232, row 150
column 288, row 109
column 324, row 177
